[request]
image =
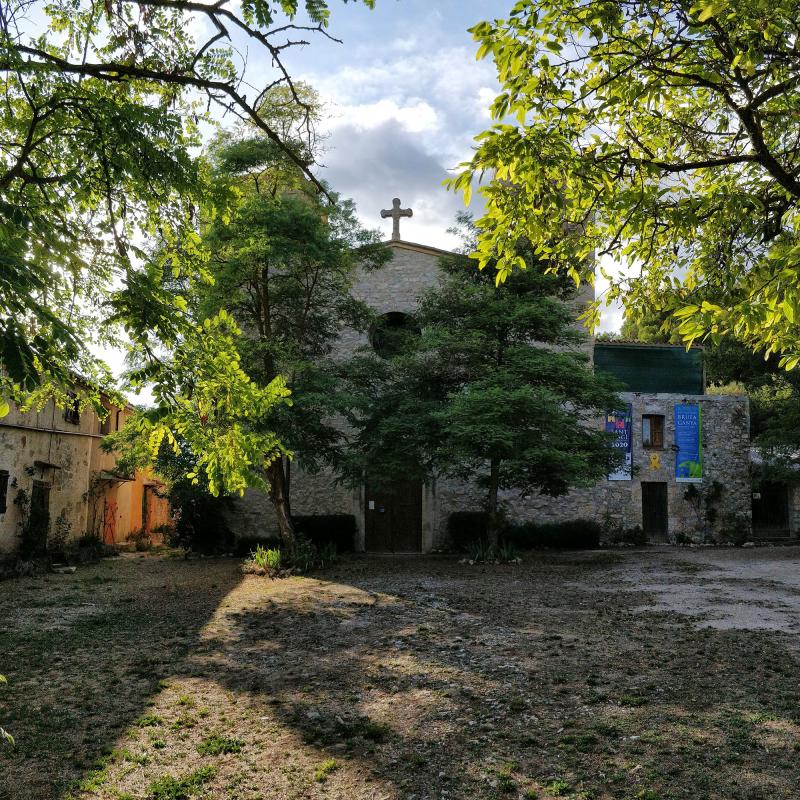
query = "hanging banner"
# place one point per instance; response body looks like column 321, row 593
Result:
column 618, row 423
column 688, row 441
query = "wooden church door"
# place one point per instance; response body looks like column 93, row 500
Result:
column 393, row 517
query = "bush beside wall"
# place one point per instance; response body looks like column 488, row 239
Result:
column 325, row 529
column 573, row 534
column 467, row 527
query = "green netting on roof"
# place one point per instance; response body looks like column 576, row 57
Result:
column 652, row 368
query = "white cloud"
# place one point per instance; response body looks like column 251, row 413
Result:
column 486, row 96
column 416, row 117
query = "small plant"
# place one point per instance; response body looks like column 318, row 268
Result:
column 88, row 547
column 170, row 788
column 480, row 551
column 269, row 559
column 507, row 553
column 140, row 540
column 62, row 528
column 703, row 502
column 219, row 745
column 324, row 769
column 505, row 780
column 619, row 535
column 306, row 556
column 149, row 721
column 558, row 788
column 632, row 701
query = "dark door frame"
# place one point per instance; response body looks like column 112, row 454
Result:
column 394, row 523
column 655, row 509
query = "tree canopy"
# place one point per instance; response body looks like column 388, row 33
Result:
column 102, row 197
column 102, row 105
column 665, row 134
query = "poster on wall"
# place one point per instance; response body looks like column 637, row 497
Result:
column 689, row 448
column 618, row 423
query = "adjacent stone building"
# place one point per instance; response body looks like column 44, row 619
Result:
column 661, row 383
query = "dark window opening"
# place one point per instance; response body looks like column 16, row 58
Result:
column 390, row 334
column 653, row 430
column 38, row 526
column 72, row 413
column 3, row 491
column 111, row 422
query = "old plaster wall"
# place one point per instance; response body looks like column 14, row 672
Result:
column 45, row 437
column 79, row 473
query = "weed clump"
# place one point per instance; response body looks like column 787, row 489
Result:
column 324, row 769
column 219, row 745
column 171, row 788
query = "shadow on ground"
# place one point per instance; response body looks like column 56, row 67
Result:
column 84, row 655
column 408, row 678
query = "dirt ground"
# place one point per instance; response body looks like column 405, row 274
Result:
column 637, row 675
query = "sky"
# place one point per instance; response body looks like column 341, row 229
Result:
column 405, row 98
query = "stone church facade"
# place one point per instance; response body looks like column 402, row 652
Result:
column 415, row 518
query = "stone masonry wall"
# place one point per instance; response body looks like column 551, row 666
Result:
column 395, row 287
column 725, row 440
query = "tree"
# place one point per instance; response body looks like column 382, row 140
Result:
column 494, row 387
column 208, row 404
column 662, row 133
column 100, row 193
column 284, row 264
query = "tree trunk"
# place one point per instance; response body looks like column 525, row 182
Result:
column 279, row 494
column 492, row 528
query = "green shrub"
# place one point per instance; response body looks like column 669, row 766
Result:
column 266, row 559
column 507, row 553
column 306, row 556
column 247, row 544
column 324, row 769
column 89, row 547
column 481, row 552
column 633, row 536
column 324, row 530
column 219, row 745
column 140, row 540
column 467, row 529
column 577, row 534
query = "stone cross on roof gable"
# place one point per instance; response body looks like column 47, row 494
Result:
column 395, row 213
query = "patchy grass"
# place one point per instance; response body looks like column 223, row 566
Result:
column 162, row 679
column 171, row 788
column 219, row 745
